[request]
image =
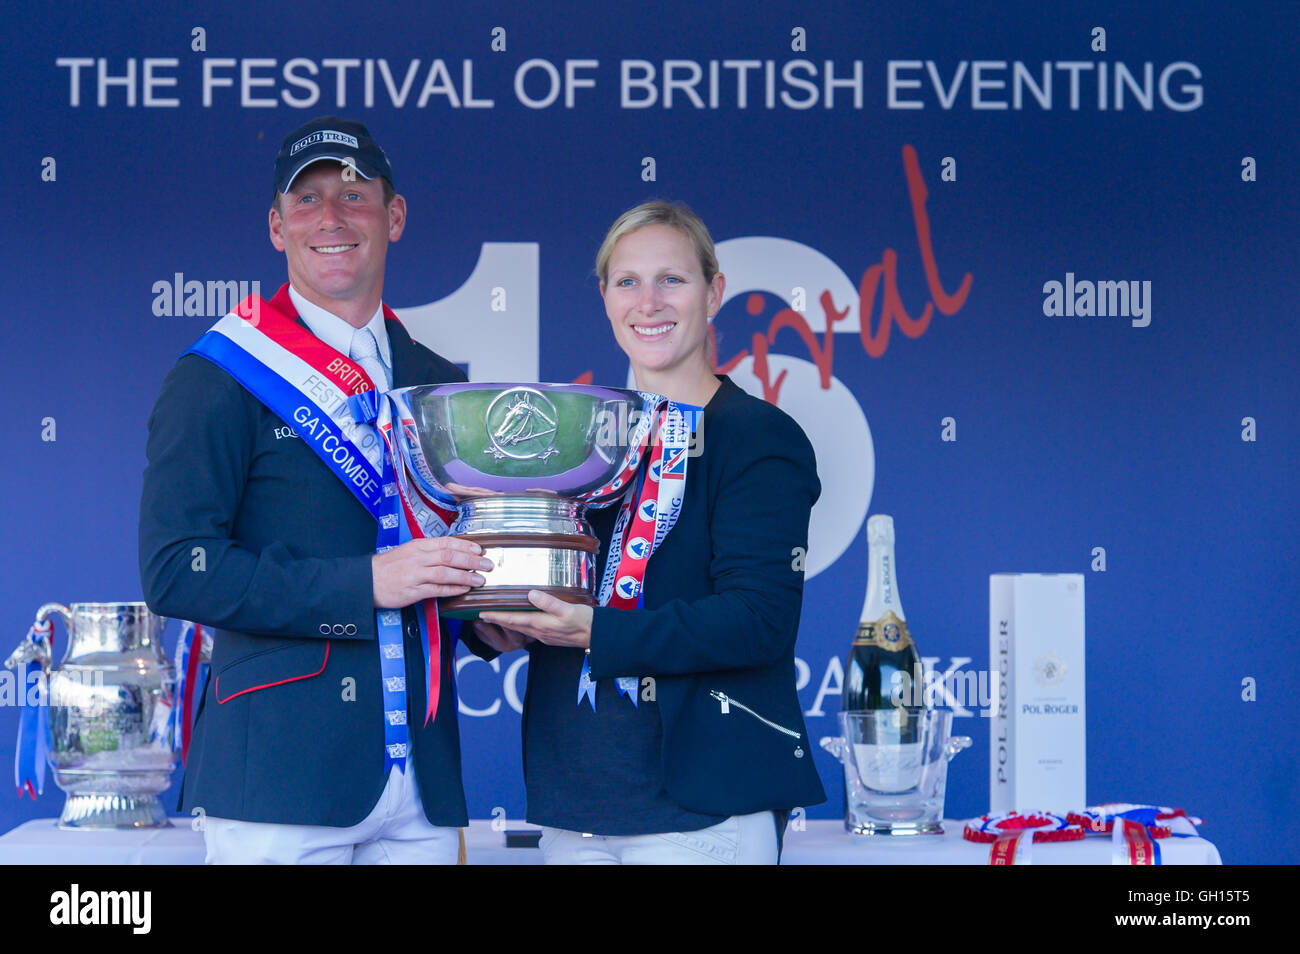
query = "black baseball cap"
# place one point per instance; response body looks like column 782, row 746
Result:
column 330, row 137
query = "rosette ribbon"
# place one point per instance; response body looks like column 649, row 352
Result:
column 1160, row 822
column 1131, row 843
column 1005, row 832
column 1135, row 830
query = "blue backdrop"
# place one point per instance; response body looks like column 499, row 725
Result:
column 1000, row 437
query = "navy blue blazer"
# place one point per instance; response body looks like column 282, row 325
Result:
column 245, row 530
column 717, row 632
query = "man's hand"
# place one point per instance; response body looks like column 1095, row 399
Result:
column 558, row 624
column 500, row 638
column 427, row 569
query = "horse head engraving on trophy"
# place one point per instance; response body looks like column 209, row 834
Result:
column 521, row 425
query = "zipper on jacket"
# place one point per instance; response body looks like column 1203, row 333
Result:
column 727, row 702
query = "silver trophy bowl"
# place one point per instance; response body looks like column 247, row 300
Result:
column 110, row 705
column 520, row 463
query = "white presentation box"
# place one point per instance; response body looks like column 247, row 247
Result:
column 1038, row 743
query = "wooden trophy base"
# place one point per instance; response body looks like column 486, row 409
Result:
column 506, row 598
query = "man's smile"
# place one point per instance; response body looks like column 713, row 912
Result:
column 334, row 249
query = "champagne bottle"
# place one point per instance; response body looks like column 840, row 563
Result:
column 883, row 666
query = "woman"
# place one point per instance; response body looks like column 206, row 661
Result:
column 707, row 764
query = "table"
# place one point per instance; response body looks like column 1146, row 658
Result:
column 39, row 842
column 827, row 843
column 807, row 842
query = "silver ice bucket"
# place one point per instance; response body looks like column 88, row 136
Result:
column 895, row 768
column 110, row 713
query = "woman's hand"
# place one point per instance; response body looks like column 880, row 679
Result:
column 557, row 624
column 500, row 638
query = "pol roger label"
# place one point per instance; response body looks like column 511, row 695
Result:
column 889, row 633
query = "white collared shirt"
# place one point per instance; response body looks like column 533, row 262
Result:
column 337, row 333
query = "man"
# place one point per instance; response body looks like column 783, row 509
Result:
column 247, row 525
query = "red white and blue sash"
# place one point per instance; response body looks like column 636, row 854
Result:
column 648, row 511
column 311, row 386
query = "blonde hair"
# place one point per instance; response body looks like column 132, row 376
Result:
column 658, row 212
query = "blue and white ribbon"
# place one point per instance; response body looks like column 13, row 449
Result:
column 33, row 720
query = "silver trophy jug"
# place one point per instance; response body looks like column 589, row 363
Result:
column 110, row 714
